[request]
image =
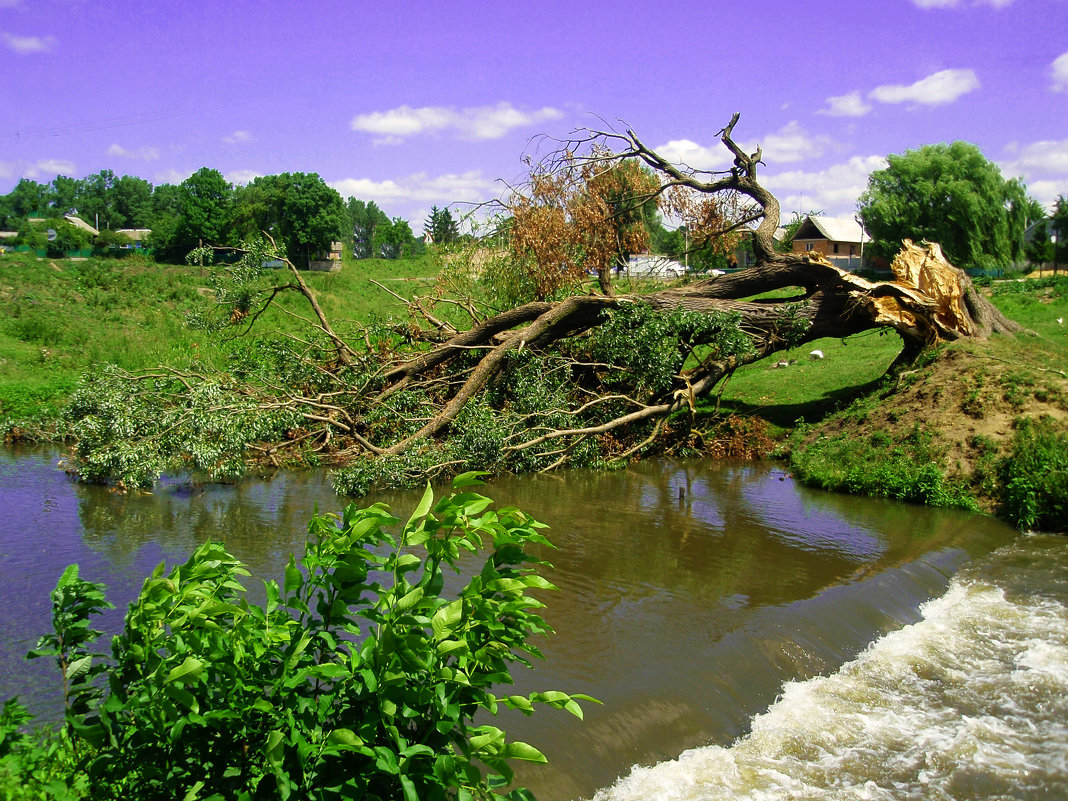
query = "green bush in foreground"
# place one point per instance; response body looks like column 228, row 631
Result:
column 907, row 470
column 358, row 678
column 1034, row 476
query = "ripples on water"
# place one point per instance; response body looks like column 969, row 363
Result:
column 970, row 702
column 689, row 593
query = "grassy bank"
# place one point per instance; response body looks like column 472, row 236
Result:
column 976, row 425
column 62, row 316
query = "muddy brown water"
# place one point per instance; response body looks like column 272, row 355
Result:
column 689, row 592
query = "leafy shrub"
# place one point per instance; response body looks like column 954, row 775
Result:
column 1034, row 476
column 358, row 678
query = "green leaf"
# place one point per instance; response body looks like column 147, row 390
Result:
column 491, row 735
column 407, row 561
column 447, row 618
column 523, row 751
column 446, row 647
column 189, row 670
column 409, row 600
column 520, row 703
column 469, row 479
column 78, row 667
column 273, row 749
column 294, row 578
column 408, row 786
column 345, row 738
column 423, row 507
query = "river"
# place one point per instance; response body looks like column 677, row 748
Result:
column 749, row 638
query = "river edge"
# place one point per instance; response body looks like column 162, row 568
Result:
column 687, row 635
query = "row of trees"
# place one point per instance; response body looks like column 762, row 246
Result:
column 946, row 193
column 298, row 210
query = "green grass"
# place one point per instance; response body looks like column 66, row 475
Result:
column 811, row 388
column 905, row 468
column 63, row 316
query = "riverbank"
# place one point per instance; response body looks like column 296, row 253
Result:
column 945, row 432
column 975, row 424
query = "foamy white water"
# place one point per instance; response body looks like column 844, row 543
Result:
column 971, row 702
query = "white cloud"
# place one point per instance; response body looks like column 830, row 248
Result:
column 57, row 166
column 850, row 105
column 242, row 177
column 43, row 169
column 833, row 190
column 442, row 189
column 474, row 123
column 791, row 143
column 24, row 45
column 1047, row 192
column 171, row 176
column 1059, row 72
column 934, row 90
column 1048, row 155
column 691, row 154
column 141, row 154
column 238, row 138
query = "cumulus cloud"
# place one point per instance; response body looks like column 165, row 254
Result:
column 57, row 166
column 936, row 89
column 833, row 190
column 242, row 177
column 171, row 176
column 850, row 105
column 238, row 138
column 1047, row 155
column 691, row 154
column 1059, row 73
column 474, row 123
column 42, row 169
column 469, row 186
column 1047, row 192
column 792, row 143
column 25, row 45
column 141, row 154
column 1044, row 167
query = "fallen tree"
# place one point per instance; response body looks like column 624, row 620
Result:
column 578, row 375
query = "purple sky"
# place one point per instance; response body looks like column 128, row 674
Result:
column 411, row 104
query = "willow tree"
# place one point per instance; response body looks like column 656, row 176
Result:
column 581, row 374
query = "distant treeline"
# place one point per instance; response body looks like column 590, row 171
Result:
column 298, row 210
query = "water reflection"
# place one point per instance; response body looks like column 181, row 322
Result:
column 688, row 591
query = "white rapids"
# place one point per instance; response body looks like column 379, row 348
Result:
column 970, row 702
